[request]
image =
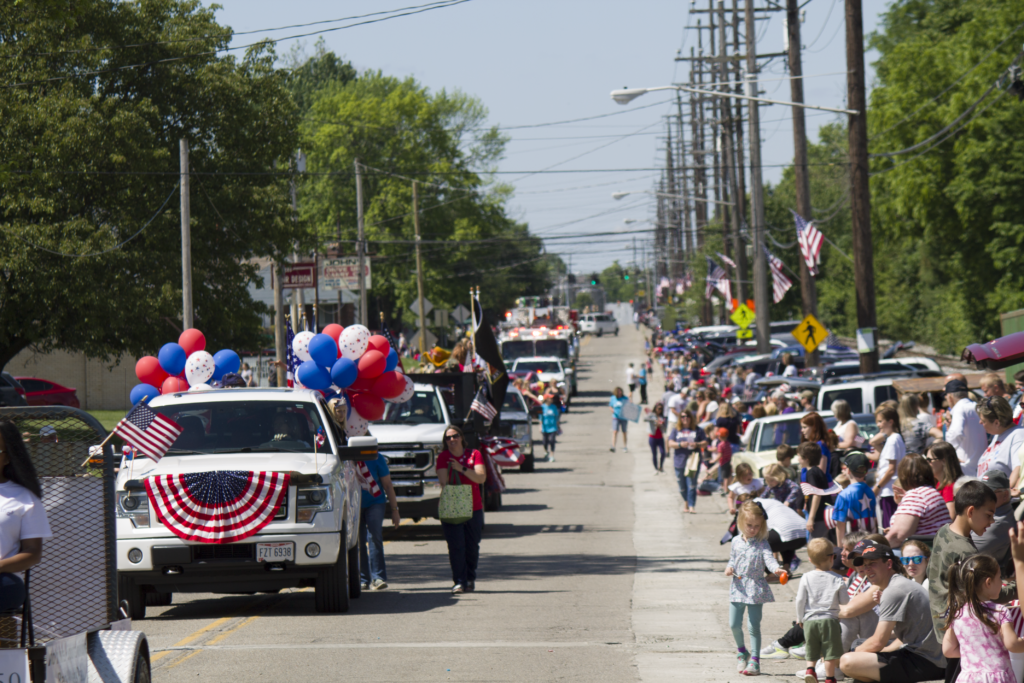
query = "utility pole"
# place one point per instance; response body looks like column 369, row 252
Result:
column 700, row 208
column 808, row 288
column 186, row 241
column 361, row 247
column 860, row 191
column 762, row 299
column 738, row 248
column 279, row 351
column 419, row 263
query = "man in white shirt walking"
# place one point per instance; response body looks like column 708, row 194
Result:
column 963, row 429
column 631, row 380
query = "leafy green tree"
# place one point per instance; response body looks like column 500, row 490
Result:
column 583, row 300
column 89, row 153
column 401, row 132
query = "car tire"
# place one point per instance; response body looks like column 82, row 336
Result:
column 616, row 332
column 131, row 597
column 354, row 579
column 331, row 588
column 600, row 333
column 155, row 599
column 528, row 463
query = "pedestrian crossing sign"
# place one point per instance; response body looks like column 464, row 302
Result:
column 810, row 333
column 742, row 316
column 744, row 333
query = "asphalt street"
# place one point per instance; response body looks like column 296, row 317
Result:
column 588, row 573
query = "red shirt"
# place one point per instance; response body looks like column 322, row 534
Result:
column 946, row 491
column 469, row 459
column 724, row 452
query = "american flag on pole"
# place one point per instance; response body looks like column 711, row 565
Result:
column 780, row 283
column 481, row 404
column 291, row 359
column 717, row 280
column 387, row 335
column 809, row 490
column 217, row 507
column 725, row 259
column 149, row 433
column 809, row 238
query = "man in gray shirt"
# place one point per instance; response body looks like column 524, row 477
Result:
column 904, row 614
column 996, row 539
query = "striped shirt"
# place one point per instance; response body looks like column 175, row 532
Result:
column 857, row 584
column 927, row 505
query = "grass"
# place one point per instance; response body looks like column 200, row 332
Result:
column 107, row 418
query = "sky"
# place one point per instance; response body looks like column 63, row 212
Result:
column 532, row 62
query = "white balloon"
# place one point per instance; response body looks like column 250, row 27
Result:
column 356, row 425
column 300, row 345
column 201, row 387
column 410, row 389
column 353, row 341
column 199, row 368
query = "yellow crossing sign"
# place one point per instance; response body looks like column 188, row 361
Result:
column 810, row 333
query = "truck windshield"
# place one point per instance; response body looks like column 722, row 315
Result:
column 245, row 426
column 537, row 366
column 558, row 348
column 510, row 350
column 422, row 408
column 514, row 402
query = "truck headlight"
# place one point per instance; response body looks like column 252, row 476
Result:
column 134, row 506
column 310, row 500
column 521, row 432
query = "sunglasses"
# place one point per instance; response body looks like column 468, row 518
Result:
column 916, row 559
column 451, row 437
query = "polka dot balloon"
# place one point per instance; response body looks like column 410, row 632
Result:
column 356, row 425
column 353, row 342
column 199, row 368
column 300, row 345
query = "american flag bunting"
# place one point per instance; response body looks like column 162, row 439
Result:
column 149, row 433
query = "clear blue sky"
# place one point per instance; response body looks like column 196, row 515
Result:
column 536, row 62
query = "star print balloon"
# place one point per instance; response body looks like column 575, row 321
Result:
column 199, row 368
column 353, row 342
column 356, row 425
column 300, row 345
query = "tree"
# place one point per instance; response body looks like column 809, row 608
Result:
column 401, row 132
column 89, row 145
column 583, row 300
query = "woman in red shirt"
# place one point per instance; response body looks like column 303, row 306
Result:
column 946, row 468
column 463, row 539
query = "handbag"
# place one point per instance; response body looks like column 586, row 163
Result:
column 456, row 503
column 693, row 463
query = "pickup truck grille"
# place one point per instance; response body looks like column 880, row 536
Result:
column 414, row 459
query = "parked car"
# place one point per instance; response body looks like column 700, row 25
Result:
column 11, row 391
column 43, row 392
column 909, row 364
column 863, row 394
column 598, row 324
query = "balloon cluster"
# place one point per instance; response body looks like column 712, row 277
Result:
column 350, row 360
column 185, row 366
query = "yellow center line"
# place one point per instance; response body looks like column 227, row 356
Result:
column 192, row 637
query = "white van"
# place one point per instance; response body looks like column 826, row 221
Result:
column 598, row 324
column 863, row 396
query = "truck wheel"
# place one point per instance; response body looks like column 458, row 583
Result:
column 354, row 581
column 158, row 599
column 616, row 332
column 130, row 593
column 600, row 333
column 331, row 590
column 527, row 465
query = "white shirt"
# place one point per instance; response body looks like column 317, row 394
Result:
column 784, row 521
column 966, row 435
column 1003, row 453
column 21, row 516
column 790, row 371
column 675, row 406
column 892, row 452
column 629, row 376
column 711, row 411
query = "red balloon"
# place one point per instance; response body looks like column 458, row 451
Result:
column 379, row 342
column 334, row 331
column 372, row 364
column 362, row 384
column 389, row 385
column 192, row 340
column 173, row 384
column 148, row 370
column 368, row 406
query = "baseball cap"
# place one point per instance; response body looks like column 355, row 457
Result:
column 48, row 430
column 856, row 461
column 955, row 385
column 869, row 550
column 996, row 480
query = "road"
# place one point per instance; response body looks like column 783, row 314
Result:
column 588, row 573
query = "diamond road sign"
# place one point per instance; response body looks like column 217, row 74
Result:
column 427, row 306
column 810, row 333
column 743, row 316
column 461, row 314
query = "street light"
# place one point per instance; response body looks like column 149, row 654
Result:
column 620, row 195
column 627, row 95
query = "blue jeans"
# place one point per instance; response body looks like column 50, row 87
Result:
column 656, row 446
column 464, row 547
column 687, row 486
column 371, row 533
column 12, row 592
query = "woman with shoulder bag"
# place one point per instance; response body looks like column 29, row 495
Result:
column 467, row 468
column 687, row 439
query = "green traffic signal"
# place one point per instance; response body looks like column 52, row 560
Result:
column 627, row 276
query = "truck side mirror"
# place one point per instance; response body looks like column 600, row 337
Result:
column 359, row 448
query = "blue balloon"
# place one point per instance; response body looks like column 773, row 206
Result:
column 344, row 372
column 142, row 391
column 392, row 361
column 313, row 376
column 225, row 361
column 323, row 350
column 172, row 359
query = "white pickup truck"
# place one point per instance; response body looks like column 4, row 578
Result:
column 310, row 542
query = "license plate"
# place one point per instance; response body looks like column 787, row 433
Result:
column 275, row 552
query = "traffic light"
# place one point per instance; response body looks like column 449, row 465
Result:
column 594, row 279
column 626, row 275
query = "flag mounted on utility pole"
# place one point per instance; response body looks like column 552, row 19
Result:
column 717, row 280
column 780, row 283
column 809, row 238
column 725, row 259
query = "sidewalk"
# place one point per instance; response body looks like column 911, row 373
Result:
column 680, row 611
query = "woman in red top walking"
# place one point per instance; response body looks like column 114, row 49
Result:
column 463, row 539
